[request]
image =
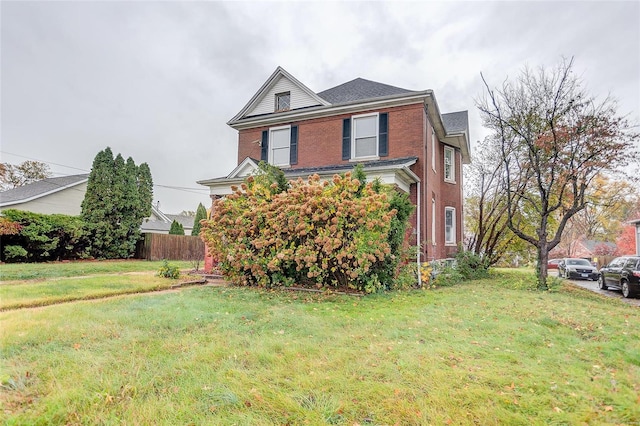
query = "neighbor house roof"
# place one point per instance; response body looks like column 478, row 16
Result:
column 185, row 221
column 359, row 90
column 41, row 188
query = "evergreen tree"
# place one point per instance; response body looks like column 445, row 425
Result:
column 176, row 228
column 201, row 213
column 118, row 198
column 145, row 190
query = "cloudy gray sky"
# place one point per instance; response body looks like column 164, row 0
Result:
column 157, row 81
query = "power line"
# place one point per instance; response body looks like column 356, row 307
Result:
column 41, row 161
column 191, row 190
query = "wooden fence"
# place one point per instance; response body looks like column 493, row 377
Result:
column 170, row 247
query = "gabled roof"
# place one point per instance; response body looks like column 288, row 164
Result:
column 39, row 189
column 271, row 81
column 359, row 90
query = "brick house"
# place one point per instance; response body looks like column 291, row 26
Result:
column 399, row 135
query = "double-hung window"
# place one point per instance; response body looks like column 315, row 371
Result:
column 449, row 165
column 280, row 146
column 449, row 226
column 365, row 136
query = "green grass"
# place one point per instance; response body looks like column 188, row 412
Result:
column 29, row 271
column 69, row 281
column 483, row 352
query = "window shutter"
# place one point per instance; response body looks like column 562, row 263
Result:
column 383, row 145
column 346, row 139
column 264, row 152
column 293, row 147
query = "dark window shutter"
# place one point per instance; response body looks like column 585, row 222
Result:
column 383, row 140
column 293, row 147
column 264, row 152
column 346, row 139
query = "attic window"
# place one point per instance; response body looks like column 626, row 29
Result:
column 283, row 101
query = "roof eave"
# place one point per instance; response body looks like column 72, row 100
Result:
column 325, row 111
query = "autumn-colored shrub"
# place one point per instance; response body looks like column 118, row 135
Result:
column 309, row 232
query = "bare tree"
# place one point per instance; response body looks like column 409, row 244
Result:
column 486, row 204
column 554, row 139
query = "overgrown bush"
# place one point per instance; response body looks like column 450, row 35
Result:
column 340, row 233
column 44, row 237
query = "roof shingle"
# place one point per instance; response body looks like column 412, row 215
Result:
column 360, row 89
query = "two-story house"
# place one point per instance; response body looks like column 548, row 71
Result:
column 399, row 135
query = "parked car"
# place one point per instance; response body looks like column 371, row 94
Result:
column 553, row 263
column 577, row 269
column 621, row 273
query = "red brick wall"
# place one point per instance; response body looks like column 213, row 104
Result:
column 320, row 139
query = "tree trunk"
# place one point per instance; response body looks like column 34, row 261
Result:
column 542, row 271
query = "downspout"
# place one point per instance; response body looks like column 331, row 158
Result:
column 418, row 221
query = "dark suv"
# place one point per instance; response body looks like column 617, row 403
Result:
column 622, row 273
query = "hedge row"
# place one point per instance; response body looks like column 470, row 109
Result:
column 34, row 237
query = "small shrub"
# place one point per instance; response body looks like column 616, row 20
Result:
column 169, row 271
column 425, row 274
column 471, row 266
column 407, row 277
column 447, row 277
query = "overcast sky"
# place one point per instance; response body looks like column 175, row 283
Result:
column 158, row 81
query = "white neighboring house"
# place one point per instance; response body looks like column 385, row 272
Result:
column 160, row 223
column 56, row 195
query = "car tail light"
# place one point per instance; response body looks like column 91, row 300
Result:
column 636, row 274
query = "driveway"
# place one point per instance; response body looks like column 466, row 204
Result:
column 593, row 286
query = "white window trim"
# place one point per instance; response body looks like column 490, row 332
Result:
column 451, row 179
column 433, row 149
column 353, row 138
column 433, row 221
column 270, row 156
column 453, row 227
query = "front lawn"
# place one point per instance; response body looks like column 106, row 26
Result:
column 483, row 352
column 30, row 271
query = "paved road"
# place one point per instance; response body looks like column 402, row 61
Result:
column 593, row 286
